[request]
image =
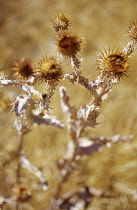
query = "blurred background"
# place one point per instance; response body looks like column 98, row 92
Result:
column 25, row 31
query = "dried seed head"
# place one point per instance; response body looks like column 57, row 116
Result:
column 24, row 69
column 116, row 63
column 49, row 69
column 133, row 31
column 61, row 22
column 69, row 45
column 23, row 194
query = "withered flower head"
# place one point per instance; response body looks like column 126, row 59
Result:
column 24, row 69
column 114, row 62
column 23, row 194
column 61, row 22
column 133, row 31
column 69, row 45
column 49, row 69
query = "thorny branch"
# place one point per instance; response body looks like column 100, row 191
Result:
column 102, row 85
column 99, row 89
column 80, row 146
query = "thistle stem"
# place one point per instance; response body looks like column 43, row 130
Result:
column 19, row 166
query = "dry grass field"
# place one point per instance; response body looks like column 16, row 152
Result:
column 25, row 31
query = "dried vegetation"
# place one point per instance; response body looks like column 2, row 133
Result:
column 52, row 159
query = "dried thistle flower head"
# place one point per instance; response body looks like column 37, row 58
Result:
column 133, row 31
column 116, row 63
column 23, row 194
column 61, row 22
column 24, row 69
column 49, row 69
column 69, row 45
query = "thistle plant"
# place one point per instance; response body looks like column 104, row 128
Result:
column 33, row 108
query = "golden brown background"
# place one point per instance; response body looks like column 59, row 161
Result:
column 25, row 32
